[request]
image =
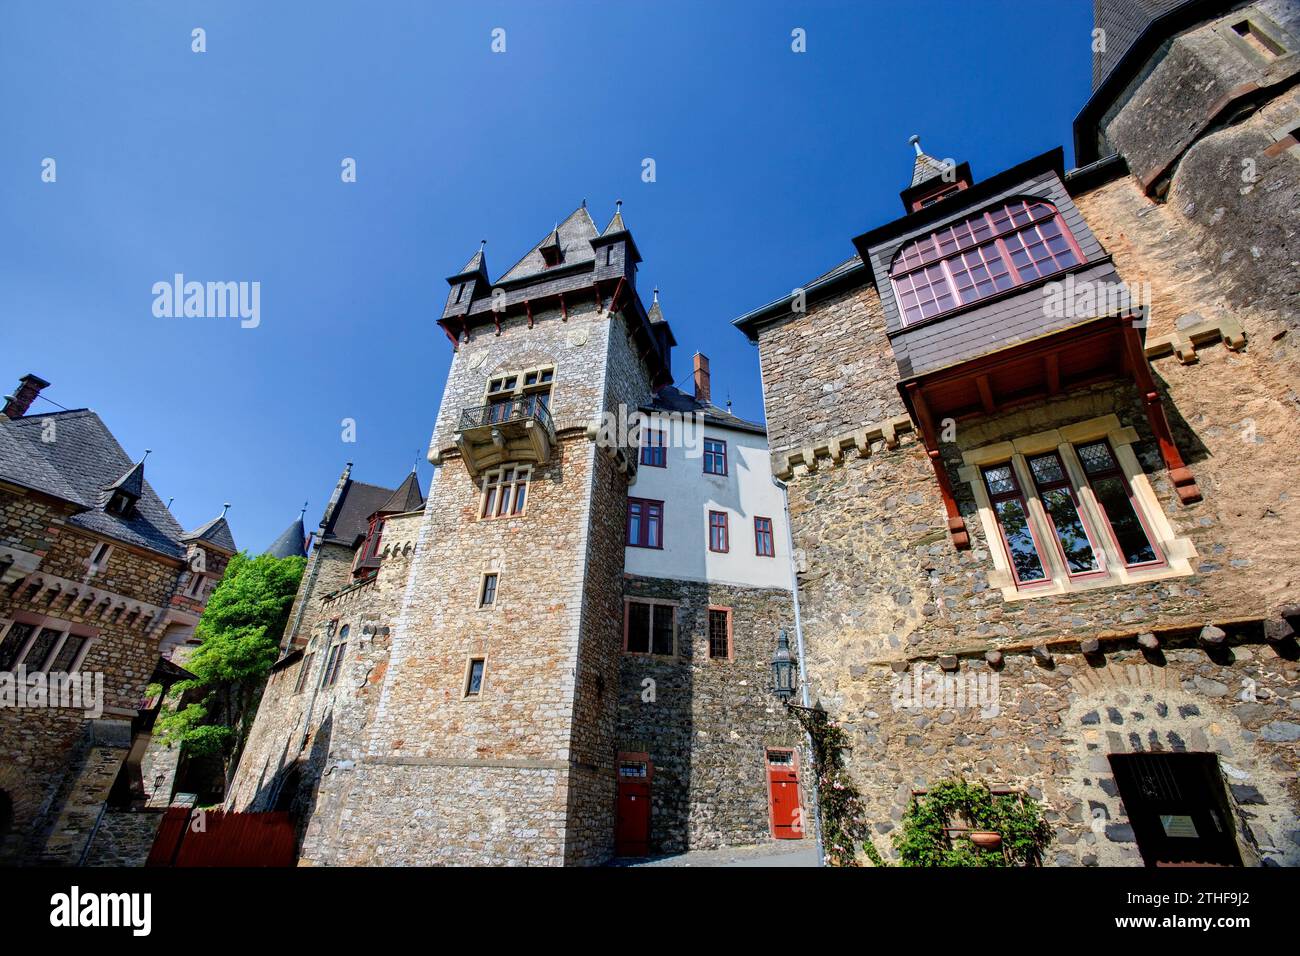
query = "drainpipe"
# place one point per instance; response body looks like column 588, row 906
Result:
column 803, row 669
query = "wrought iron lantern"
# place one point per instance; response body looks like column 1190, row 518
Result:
column 783, row 668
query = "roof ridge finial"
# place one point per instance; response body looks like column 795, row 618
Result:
column 656, row 298
column 224, row 508
column 303, row 513
column 584, row 202
column 482, row 244
column 618, row 206
column 415, row 466
column 915, row 140
column 147, row 452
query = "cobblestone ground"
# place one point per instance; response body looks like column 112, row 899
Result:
column 782, row 853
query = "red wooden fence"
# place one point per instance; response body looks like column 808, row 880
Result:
column 217, row 838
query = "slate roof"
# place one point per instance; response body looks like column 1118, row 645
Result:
column 1124, row 21
column 407, row 497
column 215, row 532
column 673, row 399
column 351, row 518
column 291, row 543
column 132, row 482
column 79, row 466
column 574, row 236
column 926, row 168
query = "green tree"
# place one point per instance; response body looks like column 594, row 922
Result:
column 238, row 642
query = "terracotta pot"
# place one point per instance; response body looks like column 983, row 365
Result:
column 986, row 839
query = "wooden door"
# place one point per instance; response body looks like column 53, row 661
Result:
column 632, row 829
column 783, row 795
column 1178, row 808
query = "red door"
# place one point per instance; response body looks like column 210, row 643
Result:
column 783, row 790
column 632, row 830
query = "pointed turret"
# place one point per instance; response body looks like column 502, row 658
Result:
column 616, row 251
column 215, row 534
column 615, row 224
column 407, row 497
column 932, row 179
column 662, row 331
column 292, row 542
column 468, row 284
column 120, row 497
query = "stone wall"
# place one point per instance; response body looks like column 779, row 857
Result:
column 706, row 723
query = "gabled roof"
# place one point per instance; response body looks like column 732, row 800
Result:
column 351, row 518
column 671, row 399
column 215, row 533
column 292, row 542
column 407, row 497
column 81, row 462
column 573, row 236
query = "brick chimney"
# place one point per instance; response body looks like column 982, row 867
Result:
column 29, row 386
column 701, row 378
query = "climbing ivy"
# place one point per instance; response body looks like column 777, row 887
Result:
column 843, row 817
column 923, row 840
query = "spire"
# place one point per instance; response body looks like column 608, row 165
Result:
column 131, row 483
column 477, row 262
column 926, row 167
column 656, row 314
column 292, row 542
column 616, row 224
column 407, row 497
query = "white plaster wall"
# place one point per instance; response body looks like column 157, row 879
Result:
column 746, row 491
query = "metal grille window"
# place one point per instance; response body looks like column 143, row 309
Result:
column 650, row 628
column 719, row 632
column 505, row 491
column 996, row 250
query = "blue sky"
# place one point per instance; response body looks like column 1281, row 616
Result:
column 225, row 166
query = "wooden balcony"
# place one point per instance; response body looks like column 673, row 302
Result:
column 517, row 430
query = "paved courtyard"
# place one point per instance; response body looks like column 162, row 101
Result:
column 777, row 853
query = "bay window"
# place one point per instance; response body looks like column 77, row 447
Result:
column 981, row 256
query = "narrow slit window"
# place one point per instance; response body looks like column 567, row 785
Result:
column 474, row 679
column 488, row 593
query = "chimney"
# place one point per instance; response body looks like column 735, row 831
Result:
column 29, row 386
column 701, row 378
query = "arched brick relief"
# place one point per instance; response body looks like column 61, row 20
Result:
column 1125, row 708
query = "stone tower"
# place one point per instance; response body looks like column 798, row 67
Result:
column 502, row 677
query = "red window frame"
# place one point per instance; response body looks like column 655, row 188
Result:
column 1117, row 472
column 654, row 448
column 980, row 257
column 718, row 537
column 1016, row 494
column 1064, row 482
column 715, row 456
column 764, row 539
column 648, row 512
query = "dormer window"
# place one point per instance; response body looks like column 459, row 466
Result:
column 551, row 255
column 120, row 503
column 980, row 257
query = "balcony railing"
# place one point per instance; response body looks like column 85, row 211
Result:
column 523, row 409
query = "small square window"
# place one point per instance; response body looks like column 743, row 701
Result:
column 488, row 593
column 474, row 679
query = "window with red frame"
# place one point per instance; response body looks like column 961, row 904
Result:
column 764, row 543
column 715, row 457
column 718, row 531
column 1013, row 519
column 1062, row 509
column 654, row 451
column 1113, row 494
column 645, row 523
column 992, row 252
